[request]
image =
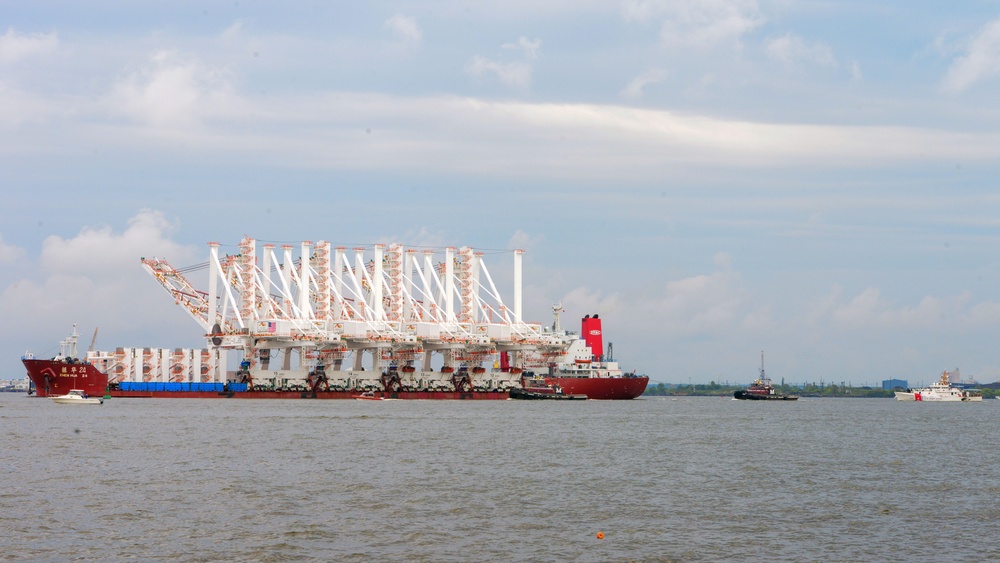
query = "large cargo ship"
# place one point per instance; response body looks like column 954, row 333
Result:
column 585, row 368
column 64, row 372
column 389, row 322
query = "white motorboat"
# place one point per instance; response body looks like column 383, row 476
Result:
column 77, row 397
column 942, row 391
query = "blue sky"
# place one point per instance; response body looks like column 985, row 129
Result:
column 817, row 180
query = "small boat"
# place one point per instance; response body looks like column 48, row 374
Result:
column 536, row 390
column 526, row 394
column 762, row 389
column 77, row 397
column 369, row 396
column 941, row 391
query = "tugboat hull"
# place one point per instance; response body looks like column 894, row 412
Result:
column 744, row 395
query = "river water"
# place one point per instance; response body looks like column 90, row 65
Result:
column 663, row 479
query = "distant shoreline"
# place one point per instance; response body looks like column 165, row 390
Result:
column 810, row 391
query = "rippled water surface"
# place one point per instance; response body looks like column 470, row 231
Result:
column 688, row 479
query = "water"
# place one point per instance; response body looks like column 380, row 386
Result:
column 687, row 479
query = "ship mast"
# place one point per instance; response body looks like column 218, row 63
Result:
column 556, row 309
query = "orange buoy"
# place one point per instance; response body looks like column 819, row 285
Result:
column 600, row 535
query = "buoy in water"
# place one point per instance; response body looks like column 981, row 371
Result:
column 600, row 535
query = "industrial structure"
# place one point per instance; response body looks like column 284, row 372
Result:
column 379, row 317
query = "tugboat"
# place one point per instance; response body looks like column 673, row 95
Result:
column 537, row 389
column 762, row 389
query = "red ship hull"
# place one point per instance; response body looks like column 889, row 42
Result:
column 605, row 388
column 408, row 395
column 58, row 377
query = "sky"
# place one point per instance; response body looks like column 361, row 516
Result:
column 816, row 180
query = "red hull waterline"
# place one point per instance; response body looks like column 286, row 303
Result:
column 58, row 377
column 353, row 395
column 605, row 388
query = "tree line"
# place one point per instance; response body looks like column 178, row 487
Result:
column 714, row 389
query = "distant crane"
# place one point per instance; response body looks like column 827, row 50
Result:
column 93, row 340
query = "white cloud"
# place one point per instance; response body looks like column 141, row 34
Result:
column 9, row 253
column 699, row 305
column 980, row 61
column 483, row 136
column 321, row 130
column 588, row 301
column 637, row 87
column 516, row 74
column 529, row 47
column 15, row 47
column 792, row 50
column 869, row 311
column 96, row 279
column 404, row 29
column 982, row 315
column 99, row 251
column 521, row 240
column 173, row 91
column 698, row 23
column 856, row 73
column 233, row 31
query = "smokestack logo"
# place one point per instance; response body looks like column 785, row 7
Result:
column 595, row 333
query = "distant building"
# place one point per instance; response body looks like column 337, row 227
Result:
column 14, row 384
column 890, row 384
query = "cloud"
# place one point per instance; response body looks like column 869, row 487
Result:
column 96, row 278
column 702, row 304
column 588, row 301
column 792, row 50
column 404, row 29
column 234, row 31
column 980, row 61
column 521, row 240
column 529, row 47
column 173, row 91
column 96, row 251
column 15, row 47
column 483, row 136
column 516, row 74
column 636, row 88
column 869, row 311
column 855, row 69
column 176, row 94
column 698, row 23
column 9, row 253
